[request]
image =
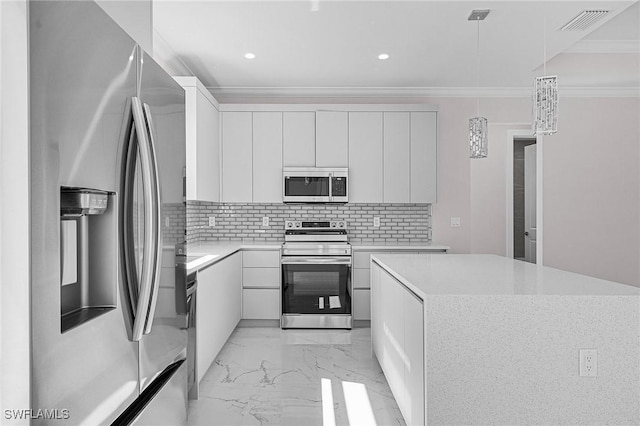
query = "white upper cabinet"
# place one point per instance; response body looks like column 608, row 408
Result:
column 423, row 157
column 332, row 139
column 390, row 151
column 267, row 157
column 202, row 141
column 237, row 167
column 299, row 138
column 365, row 157
column 396, row 169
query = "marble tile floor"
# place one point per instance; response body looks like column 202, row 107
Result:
column 269, row 376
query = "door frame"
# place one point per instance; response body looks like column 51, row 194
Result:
column 511, row 135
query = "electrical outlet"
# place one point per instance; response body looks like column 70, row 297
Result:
column 376, row 221
column 212, row 221
column 265, row 221
column 588, row 362
column 167, row 222
column 455, row 222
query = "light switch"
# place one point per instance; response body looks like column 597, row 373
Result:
column 376, row 221
column 455, row 222
column 212, row 221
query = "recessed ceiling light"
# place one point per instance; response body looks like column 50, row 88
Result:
column 383, row 56
column 249, row 55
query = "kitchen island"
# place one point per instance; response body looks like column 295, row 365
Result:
column 483, row 339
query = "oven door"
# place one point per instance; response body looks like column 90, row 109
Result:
column 306, row 189
column 316, row 285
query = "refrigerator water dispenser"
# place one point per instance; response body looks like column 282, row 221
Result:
column 88, row 268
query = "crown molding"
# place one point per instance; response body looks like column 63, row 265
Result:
column 167, row 57
column 368, row 92
column 260, row 94
column 605, row 46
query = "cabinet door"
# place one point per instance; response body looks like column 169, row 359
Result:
column 362, row 303
column 215, row 320
column 396, row 157
column 299, row 139
column 423, row 157
column 360, row 278
column 376, row 313
column 332, row 139
column 237, row 129
column 208, row 154
column 414, row 353
column 261, row 303
column 393, row 338
column 365, row 157
column 267, row 157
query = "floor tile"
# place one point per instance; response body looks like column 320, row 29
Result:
column 265, row 375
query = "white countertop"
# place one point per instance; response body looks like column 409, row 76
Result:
column 389, row 247
column 211, row 252
column 485, row 274
column 208, row 253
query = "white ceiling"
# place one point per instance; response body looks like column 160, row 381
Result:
column 432, row 45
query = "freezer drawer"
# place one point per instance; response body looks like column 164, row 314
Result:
column 164, row 402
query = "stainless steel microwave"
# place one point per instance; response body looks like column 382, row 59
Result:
column 315, row 185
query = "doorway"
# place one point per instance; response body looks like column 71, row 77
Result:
column 524, row 199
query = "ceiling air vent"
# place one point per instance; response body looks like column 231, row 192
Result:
column 584, row 20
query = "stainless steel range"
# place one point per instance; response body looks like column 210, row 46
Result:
column 316, row 275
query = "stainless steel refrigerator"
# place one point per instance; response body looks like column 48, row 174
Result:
column 107, row 212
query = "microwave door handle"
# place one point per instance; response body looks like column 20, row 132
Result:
column 146, row 285
column 157, row 219
column 330, row 186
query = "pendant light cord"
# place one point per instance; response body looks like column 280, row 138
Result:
column 544, row 46
column 478, row 70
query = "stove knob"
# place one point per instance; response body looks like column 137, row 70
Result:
column 298, row 224
column 289, row 224
column 333, row 224
column 341, row 224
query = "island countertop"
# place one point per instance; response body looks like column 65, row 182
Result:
column 485, row 274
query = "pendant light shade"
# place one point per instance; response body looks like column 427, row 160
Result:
column 478, row 137
column 545, row 105
column 478, row 126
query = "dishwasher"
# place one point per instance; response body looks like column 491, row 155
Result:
column 186, row 286
column 190, row 323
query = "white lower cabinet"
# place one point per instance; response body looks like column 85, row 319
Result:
column 397, row 333
column 361, row 281
column 361, row 304
column 261, row 284
column 218, row 309
column 414, row 377
column 260, row 303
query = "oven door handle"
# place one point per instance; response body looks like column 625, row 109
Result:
column 317, row 260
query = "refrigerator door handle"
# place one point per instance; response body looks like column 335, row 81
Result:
column 148, row 171
column 157, row 195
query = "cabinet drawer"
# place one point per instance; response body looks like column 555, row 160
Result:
column 361, row 304
column 261, row 303
column 361, row 259
column 361, row 278
column 261, row 259
column 261, row 277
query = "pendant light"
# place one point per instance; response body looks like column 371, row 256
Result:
column 478, row 126
column 545, row 98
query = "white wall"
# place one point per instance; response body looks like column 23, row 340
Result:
column 591, row 189
column 14, row 210
column 474, row 190
column 591, row 183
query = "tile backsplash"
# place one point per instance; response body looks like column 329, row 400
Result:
column 400, row 223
